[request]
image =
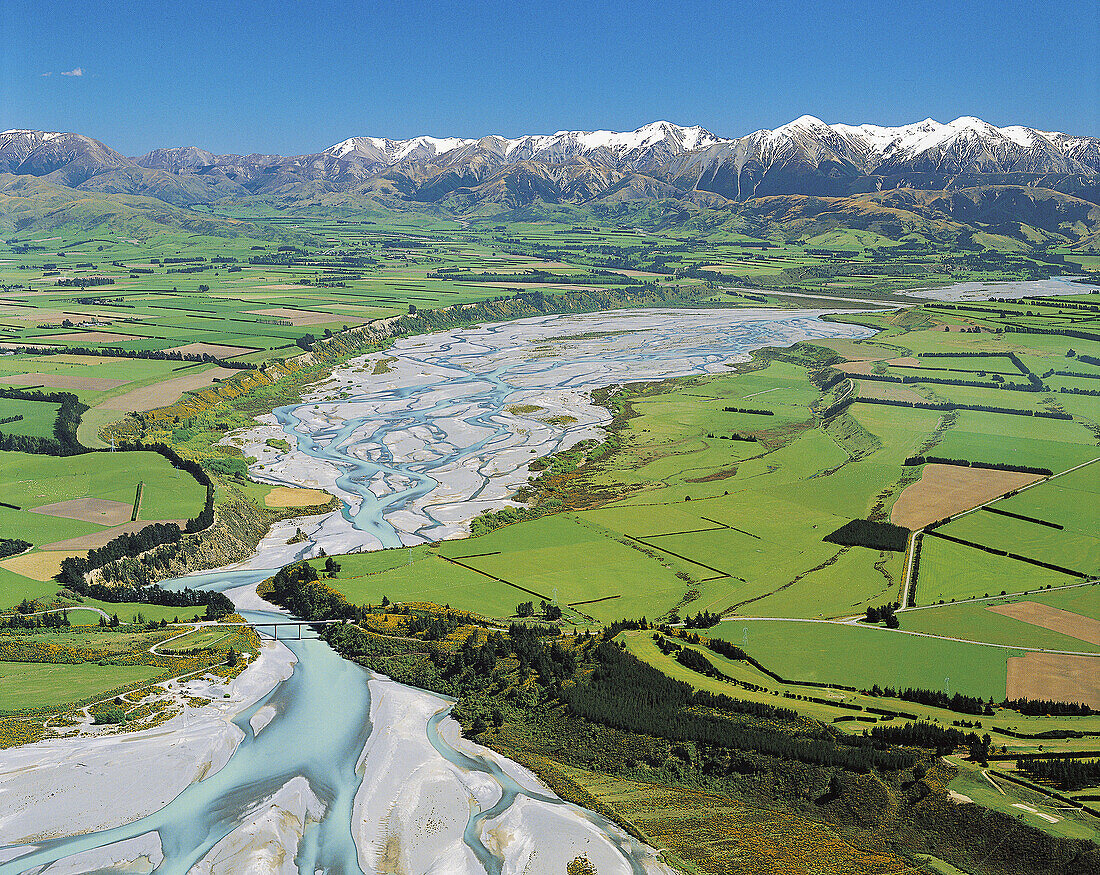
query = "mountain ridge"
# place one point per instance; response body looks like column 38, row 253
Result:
column 658, row 162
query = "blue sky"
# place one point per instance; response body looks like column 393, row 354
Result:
column 295, row 77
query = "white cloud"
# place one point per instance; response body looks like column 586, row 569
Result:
column 48, row 73
column 76, row 71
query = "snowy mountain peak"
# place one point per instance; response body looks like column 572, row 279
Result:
column 659, row 139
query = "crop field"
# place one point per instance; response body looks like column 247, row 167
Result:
column 27, row 417
column 860, row 656
column 983, row 620
column 950, row 571
column 847, row 710
column 65, row 506
column 1075, row 550
column 25, row 685
column 1018, row 440
column 1071, row 500
column 1028, row 524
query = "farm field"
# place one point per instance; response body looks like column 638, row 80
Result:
column 950, row 571
column 981, row 621
column 860, row 656
column 69, row 505
column 1028, row 523
column 35, row 482
column 26, row 685
column 367, row 578
column 742, row 521
column 27, row 417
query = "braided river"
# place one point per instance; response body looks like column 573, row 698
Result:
column 307, row 762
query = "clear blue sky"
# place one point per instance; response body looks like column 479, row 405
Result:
column 295, row 77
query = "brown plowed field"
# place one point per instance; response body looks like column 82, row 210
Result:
column 1053, row 677
column 164, row 393
column 1068, row 623
column 215, row 349
column 945, row 490
column 98, row 539
column 890, row 391
column 299, row 317
column 89, row 510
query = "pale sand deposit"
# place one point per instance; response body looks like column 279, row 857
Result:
column 420, row 827
column 141, row 855
column 267, row 839
column 46, row 786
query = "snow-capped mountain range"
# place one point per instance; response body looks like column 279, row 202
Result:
column 964, row 141
column 658, row 139
column 661, row 159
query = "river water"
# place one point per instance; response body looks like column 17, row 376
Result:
column 449, row 430
column 415, row 453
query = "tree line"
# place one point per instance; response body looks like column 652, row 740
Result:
column 757, row 410
column 937, row 699
column 63, row 442
column 1048, row 707
column 942, row 739
column 966, row 463
column 23, row 619
column 115, row 352
column 1066, row 773
column 13, row 546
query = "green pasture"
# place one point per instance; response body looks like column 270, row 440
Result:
column 33, row 480
column 363, row 579
column 38, row 417
column 1071, row 500
column 30, row 481
column 201, row 638
column 950, row 571
column 974, row 621
column 28, row 685
column 1019, row 440
column 15, row 587
column 128, row 612
column 568, row 559
column 1075, row 550
column 861, row 656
